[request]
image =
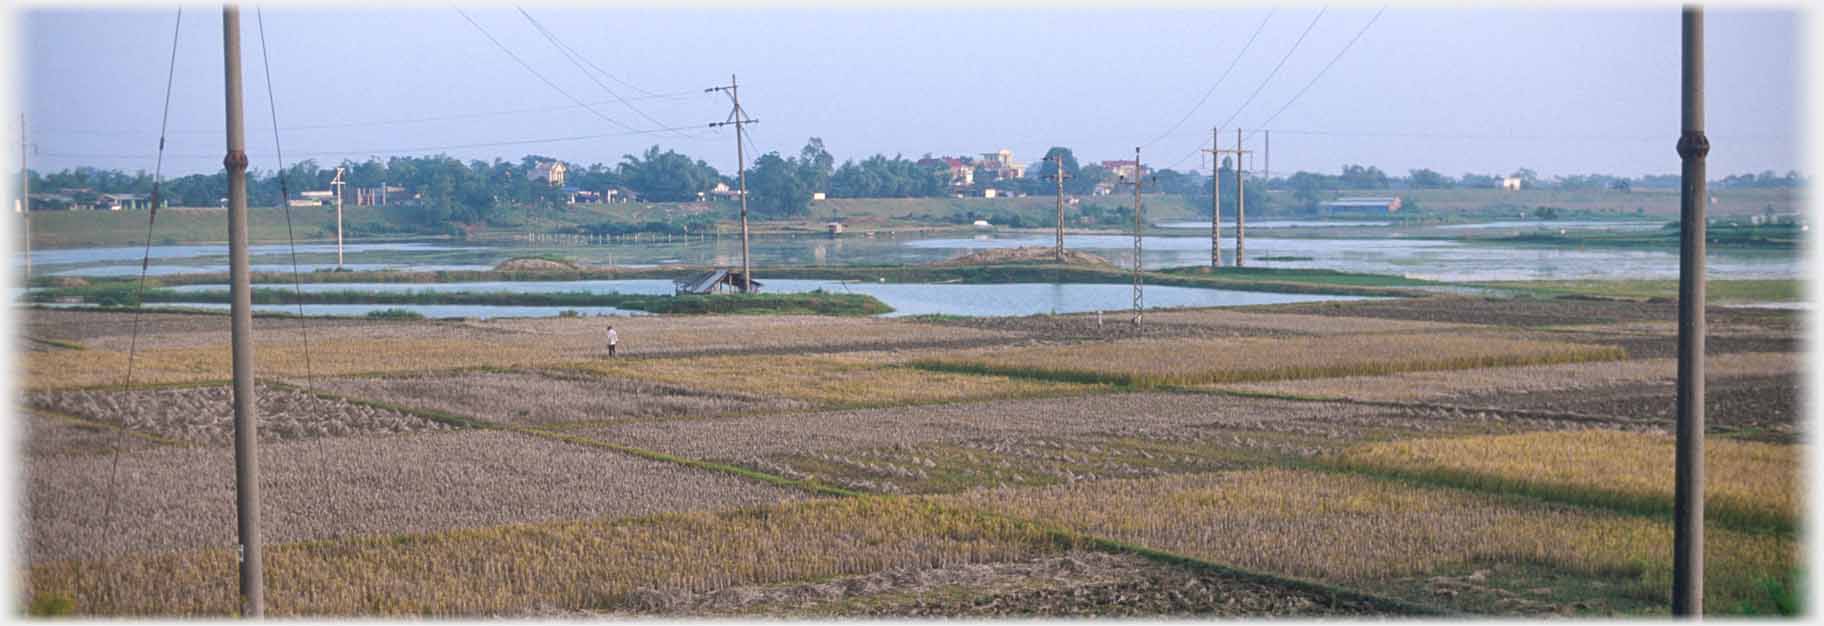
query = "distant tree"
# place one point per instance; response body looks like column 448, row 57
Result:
column 1478, row 181
column 666, row 176
column 1359, row 177
column 778, row 187
column 1087, row 178
column 1428, row 179
column 816, row 166
column 1546, row 213
column 1528, row 178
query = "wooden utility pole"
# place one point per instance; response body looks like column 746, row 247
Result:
column 1688, row 499
column 1059, row 176
column 738, row 118
column 1139, row 230
column 1215, row 151
column 246, row 456
column 25, row 199
column 337, row 183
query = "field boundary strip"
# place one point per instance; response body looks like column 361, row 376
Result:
column 1147, row 381
column 1650, row 507
column 1587, row 418
column 181, row 384
column 55, row 343
column 83, row 421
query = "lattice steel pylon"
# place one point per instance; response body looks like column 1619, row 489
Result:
column 1139, row 229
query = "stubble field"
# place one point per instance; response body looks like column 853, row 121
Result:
column 1376, row 457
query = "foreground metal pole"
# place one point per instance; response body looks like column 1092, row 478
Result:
column 1688, row 503
column 246, row 456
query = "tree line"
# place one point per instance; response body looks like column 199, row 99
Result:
column 441, row 190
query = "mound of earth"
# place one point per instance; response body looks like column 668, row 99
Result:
column 531, row 264
column 1025, row 254
column 69, row 282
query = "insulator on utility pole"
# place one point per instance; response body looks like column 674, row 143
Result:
column 738, row 118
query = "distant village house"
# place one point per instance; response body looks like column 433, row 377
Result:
column 552, row 172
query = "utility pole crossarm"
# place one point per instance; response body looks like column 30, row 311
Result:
column 738, row 118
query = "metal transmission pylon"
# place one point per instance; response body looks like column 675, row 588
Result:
column 1139, row 230
column 738, row 118
column 1058, row 175
column 1241, row 209
column 1215, row 152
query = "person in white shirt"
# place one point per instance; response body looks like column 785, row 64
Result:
column 613, row 339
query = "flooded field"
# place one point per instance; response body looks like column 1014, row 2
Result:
column 906, row 298
column 1381, row 251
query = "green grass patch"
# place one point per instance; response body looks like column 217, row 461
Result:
column 811, row 303
column 1715, row 290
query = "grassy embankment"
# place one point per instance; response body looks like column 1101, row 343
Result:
column 1772, row 237
column 813, row 303
column 1716, row 291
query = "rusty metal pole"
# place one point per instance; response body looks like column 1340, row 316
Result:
column 246, row 455
column 1688, row 503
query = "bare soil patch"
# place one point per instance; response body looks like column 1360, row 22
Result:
column 1756, row 407
column 183, row 498
column 206, row 414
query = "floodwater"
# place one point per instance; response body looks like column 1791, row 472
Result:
column 905, row 298
column 1228, row 224
column 1390, row 252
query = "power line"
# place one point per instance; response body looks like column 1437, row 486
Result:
column 1263, row 84
column 1225, row 75
column 522, row 63
column 578, row 60
column 676, row 95
column 393, row 151
column 1320, row 73
column 1276, row 68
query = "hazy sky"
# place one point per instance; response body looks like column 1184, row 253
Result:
column 1559, row 91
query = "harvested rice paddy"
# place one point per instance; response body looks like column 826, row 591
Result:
column 1196, row 362
column 1368, row 533
column 766, row 466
